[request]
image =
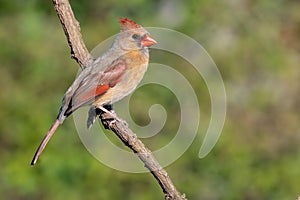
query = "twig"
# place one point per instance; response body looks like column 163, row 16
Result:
column 80, row 53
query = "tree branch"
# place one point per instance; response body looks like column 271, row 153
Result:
column 80, row 53
column 71, row 28
column 120, row 128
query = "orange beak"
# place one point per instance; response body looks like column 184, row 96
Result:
column 148, row 41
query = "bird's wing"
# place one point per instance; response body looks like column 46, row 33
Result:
column 96, row 84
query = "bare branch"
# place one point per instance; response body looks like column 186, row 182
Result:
column 120, row 128
column 80, row 53
column 71, row 28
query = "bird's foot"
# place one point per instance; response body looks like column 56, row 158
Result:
column 112, row 113
column 115, row 120
column 112, row 122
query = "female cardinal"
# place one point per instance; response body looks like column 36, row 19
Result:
column 110, row 78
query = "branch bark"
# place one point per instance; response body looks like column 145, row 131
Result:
column 80, row 53
column 120, row 128
column 71, row 28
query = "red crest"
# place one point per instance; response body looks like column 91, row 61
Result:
column 128, row 24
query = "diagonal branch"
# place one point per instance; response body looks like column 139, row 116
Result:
column 80, row 53
column 71, row 28
column 120, row 128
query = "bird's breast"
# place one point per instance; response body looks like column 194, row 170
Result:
column 136, row 58
column 128, row 83
column 136, row 66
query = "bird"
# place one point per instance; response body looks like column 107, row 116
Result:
column 110, row 77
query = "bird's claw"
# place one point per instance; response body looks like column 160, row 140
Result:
column 115, row 120
column 112, row 115
column 112, row 122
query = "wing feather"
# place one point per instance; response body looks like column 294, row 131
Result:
column 96, row 84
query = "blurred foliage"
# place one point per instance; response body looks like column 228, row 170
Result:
column 255, row 45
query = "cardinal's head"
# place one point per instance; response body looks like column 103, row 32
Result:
column 133, row 36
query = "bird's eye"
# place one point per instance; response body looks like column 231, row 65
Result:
column 135, row 36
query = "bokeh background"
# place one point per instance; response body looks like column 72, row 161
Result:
column 255, row 45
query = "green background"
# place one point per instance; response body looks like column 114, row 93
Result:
column 255, row 45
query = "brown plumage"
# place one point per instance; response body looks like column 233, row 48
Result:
column 111, row 77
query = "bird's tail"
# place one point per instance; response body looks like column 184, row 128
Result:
column 45, row 141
